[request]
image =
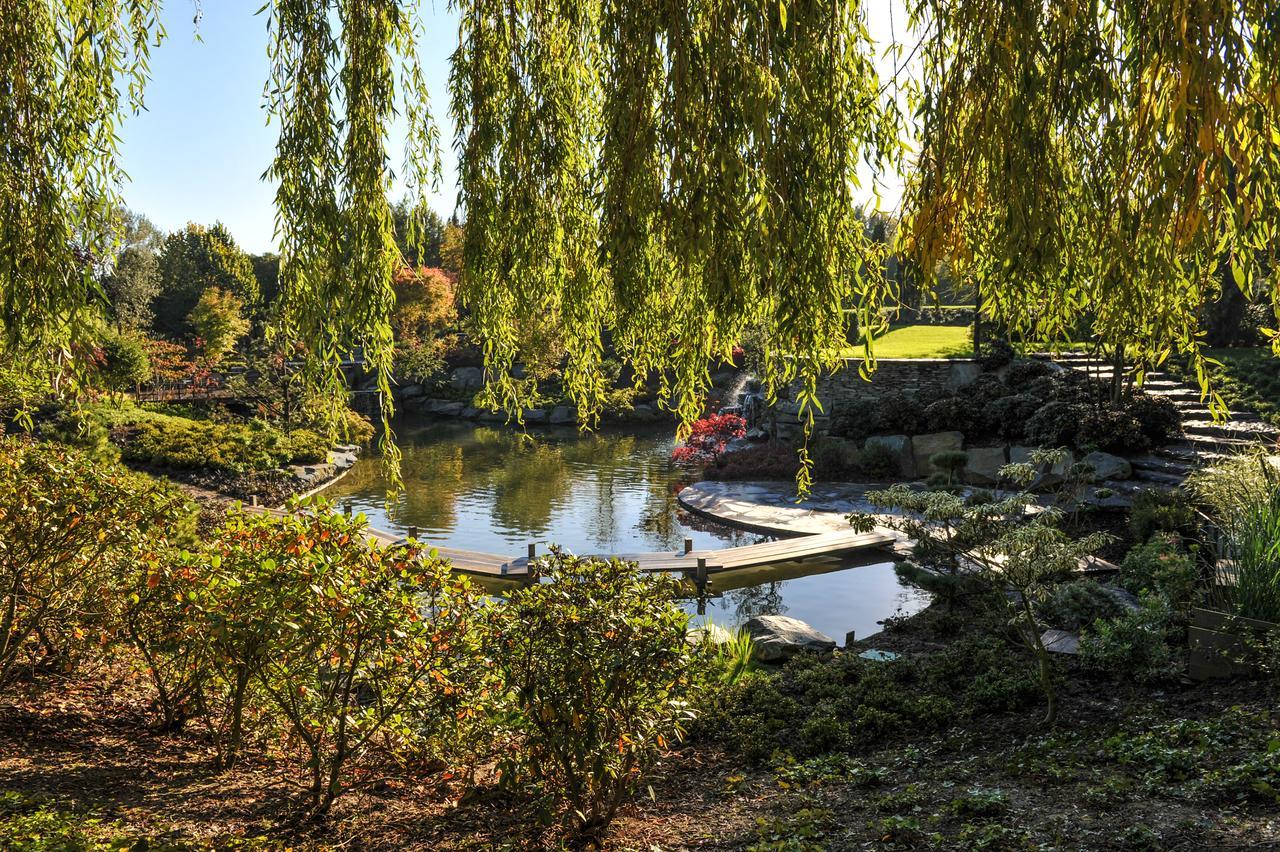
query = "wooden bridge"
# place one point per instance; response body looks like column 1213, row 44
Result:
column 699, row 564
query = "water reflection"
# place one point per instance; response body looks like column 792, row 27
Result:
column 493, row 489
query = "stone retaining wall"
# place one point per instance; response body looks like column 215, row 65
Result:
column 926, row 378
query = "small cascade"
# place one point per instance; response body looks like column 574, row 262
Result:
column 745, row 399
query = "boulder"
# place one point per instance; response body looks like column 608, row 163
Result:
column 535, row 415
column 900, row 447
column 1107, row 466
column 445, row 408
column 1048, row 476
column 984, row 465
column 962, row 373
column 924, row 446
column 562, row 415
column 466, row 378
column 1060, row 642
column 644, row 412
column 712, row 633
column 779, row 637
column 411, row 391
column 493, row 416
column 470, row 412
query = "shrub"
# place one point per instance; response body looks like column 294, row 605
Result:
column 125, row 363
column 368, row 645
column 1255, row 546
column 708, row 438
column 1132, row 646
column 177, row 442
column 1024, row 371
column 760, row 461
column 1072, row 606
column 1159, row 566
column 897, row 414
column 598, row 668
column 952, row 412
column 1008, row 415
column 306, row 447
column 877, row 461
column 996, row 354
column 833, row 460
column 68, row 525
column 1054, row 425
column 1167, row 512
column 1109, row 429
column 1157, row 417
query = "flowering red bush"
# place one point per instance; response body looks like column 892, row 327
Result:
column 709, row 437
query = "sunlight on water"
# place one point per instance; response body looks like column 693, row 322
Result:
column 489, row 488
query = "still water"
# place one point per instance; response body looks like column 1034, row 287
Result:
column 493, row 489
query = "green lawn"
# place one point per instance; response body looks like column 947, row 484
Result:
column 1249, row 379
column 922, row 341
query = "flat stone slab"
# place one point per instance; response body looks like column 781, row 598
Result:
column 1060, row 642
column 878, row 656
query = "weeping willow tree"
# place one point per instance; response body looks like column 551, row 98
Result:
column 667, row 174
column 1112, row 159
column 70, row 72
column 339, row 70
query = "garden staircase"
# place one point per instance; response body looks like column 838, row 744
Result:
column 1203, row 440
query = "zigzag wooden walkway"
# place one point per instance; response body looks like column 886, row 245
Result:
column 804, row 547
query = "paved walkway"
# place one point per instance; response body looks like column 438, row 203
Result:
column 771, row 508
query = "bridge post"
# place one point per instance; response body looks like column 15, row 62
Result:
column 253, row 500
column 701, row 577
column 688, row 546
column 346, row 508
column 413, row 533
column 533, row 551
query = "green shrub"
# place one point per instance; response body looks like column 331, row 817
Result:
column 68, row 526
column 1135, row 645
column 1156, row 511
column 1055, row 424
column 177, row 442
column 597, row 666
column 1072, row 606
column 1026, row 370
column 1157, row 417
column 368, row 646
column 876, row 461
column 1255, row 546
column 952, row 413
column 1160, row 566
column 125, row 363
column 306, row 447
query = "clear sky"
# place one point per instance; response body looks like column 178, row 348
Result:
column 198, row 152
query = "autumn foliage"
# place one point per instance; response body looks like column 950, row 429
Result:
column 709, row 437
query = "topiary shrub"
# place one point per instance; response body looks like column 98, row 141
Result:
column 1054, row 425
column 996, row 354
column 1109, row 429
column 1157, row 417
column 897, row 414
column 951, row 413
column 1008, row 415
column 1024, row 371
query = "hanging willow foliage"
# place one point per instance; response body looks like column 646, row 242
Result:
column 69, row 73
column 668, row 173
column 336, row 65
column 1112, row 159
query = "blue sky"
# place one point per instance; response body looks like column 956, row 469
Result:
column 198, row 151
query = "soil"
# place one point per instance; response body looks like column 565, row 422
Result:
column 88, row 746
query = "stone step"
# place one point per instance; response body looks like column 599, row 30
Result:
column 1173, row 479
column 1211, row 444
column 1192, row 456
column 1158, row 464
column 1178, row 394
column 1256, row 430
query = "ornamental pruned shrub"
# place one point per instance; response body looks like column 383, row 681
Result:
column 598, row 672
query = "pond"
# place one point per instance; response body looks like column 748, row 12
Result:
column 494, row 489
